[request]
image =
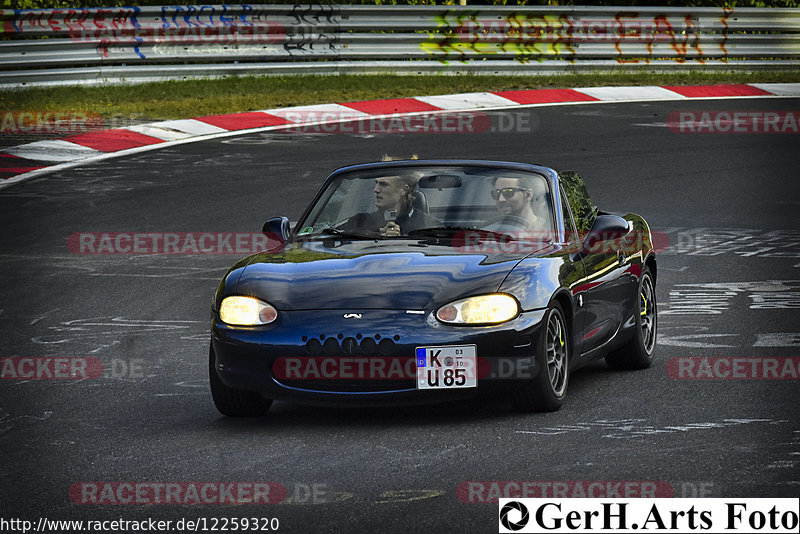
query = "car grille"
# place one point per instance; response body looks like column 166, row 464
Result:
column 360, row 345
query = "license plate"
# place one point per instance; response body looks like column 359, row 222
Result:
column 447, row 367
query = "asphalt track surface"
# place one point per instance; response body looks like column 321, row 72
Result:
column 728, row 202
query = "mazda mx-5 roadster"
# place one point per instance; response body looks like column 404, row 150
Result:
column 411, row 282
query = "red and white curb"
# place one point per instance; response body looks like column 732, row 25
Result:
column 41, row 157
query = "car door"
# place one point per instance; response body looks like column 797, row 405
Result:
column 573, row 273
column 601, row 294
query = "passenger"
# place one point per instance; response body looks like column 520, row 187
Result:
column 396, row 214
column 513, row 198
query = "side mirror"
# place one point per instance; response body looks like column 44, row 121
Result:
column 277, row 229
column 605, row 228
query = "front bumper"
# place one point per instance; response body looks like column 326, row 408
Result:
column 321, row 357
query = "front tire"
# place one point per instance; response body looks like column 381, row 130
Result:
column 234, row 402
column 638, row 353
column 547, row 390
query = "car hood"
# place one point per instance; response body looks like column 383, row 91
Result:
column 403, row 275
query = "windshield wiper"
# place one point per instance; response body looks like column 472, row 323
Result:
column 327, row 232
column 452, row 231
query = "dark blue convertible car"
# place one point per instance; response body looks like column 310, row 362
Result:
column 427, row 281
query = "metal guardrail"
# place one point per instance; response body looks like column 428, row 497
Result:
column 40, row 47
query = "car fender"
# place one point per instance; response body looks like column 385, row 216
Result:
column 534, row 282
column 227, row 286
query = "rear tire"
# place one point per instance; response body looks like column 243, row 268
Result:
column 547, row 390
column 234, row 402
column 638, row 353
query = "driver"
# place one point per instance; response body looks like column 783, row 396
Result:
column 394, row 198
column 513, row 198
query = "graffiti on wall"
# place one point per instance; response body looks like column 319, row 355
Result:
column 199, row 29
column 628, row 37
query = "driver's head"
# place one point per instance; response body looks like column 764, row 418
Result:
column 512, row 196
column 389, row 191
column 395, row 192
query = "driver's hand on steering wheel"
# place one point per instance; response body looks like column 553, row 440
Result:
column 392, row 229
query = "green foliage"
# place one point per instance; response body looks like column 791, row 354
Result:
column 192, row 98
column 583, row 210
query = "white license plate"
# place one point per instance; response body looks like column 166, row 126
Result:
column 447, row 367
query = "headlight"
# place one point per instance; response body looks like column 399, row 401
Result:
column 484, row 309
column 246, row 311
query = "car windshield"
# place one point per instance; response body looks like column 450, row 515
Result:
column 415, row 201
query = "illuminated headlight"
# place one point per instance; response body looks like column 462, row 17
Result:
column 484, row 309
column 246, row 311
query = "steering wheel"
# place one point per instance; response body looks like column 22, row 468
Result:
column 507, row 222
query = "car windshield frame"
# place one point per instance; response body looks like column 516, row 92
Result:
column 462, row 181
